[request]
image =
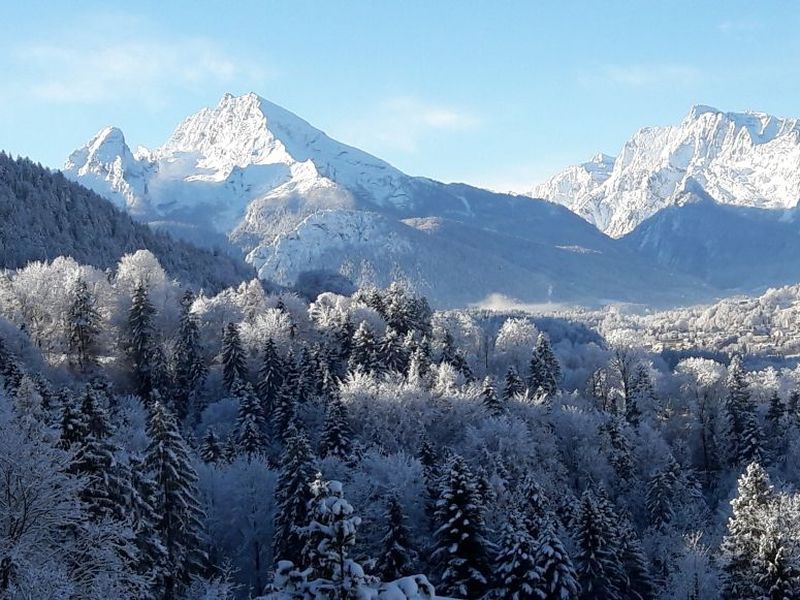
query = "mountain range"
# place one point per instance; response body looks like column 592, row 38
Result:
column 746, row 159
column 254, row 179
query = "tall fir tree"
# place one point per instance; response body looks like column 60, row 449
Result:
column 234, row 363
column 364, row 352
column 189, row 363
column 284, row 411
column 180, row 518
column 249, row 422
column 597, row 562
column 141, row 340
column 335, row 439
column 210, row 448
column 661, row 491
column 744, row 434
column 462, row 552
column 513, row 385
column 292, row 495
column 740, row 547
column 516, row 572
column 83, row 327
column 398, row 556
column 557, row 577
column 491, row 403
column 270, row 378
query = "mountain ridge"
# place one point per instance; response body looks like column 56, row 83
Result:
column 745, row 159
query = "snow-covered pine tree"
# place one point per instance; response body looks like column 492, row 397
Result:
column 398, row 556
column 284, row 411
column 329, row 539
column 533, row 507
column 540, row 378
column 210, row 448
column 778, row 574
column 72, row 427
column 513, row 385
column 557, row 577
column 491, row 403
column 793, row 409
column 740, row 546
column 640, row 393
column 392, row 352
column 776, row 421
column 638, row 583
column 744, row 435
column 292, row 495
column 597, row 563
column 660, row 497
column 141, row 340
column 516, row 573
column 175, row 500
column 548, row 357
column 364, row 352
column 270, row 378
column 335, row 439
column 620, row 452
column 83, row 327
column 152, row 556
column 234, row 363
column 189, row 364
column 249, row 422
column 462, row 553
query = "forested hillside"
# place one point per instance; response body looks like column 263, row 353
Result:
column 158, row 444
column 43, row 215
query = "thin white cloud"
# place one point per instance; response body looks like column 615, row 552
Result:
column 739, row 26
column 108, row 63
column 402, row 123
column 643, row 75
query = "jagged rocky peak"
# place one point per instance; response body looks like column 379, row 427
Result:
column 739, row 158
column 104, row 148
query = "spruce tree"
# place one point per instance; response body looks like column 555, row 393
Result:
column 190, row 368
column 740, row 546
column 491, row 403
column 284, row 411
column 392, row 352
column 141, row 340
column 620, row 450
column 152, row 555
column 398, row 556
column 234, row 364
column 270, row 378
column 557, row 577
column 744, row 435
column 597, row 563
column 71, row 425
column 515, row 568
column 210, row 449
column 661, row 491
column 513, row 385
column 292, row 495
column 533, row 506
column 778, row 577
column 462, row 553
column 638, row 583
column 175, row 500
column 250, row 421
column 552, row 366
column 364, row 352
column 83, row 327
column 335, row 440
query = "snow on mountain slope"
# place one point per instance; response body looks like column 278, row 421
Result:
column 292, row 199
column 455, row 264
column 744, row 159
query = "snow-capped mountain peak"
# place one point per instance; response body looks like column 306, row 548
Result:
column 744, row 158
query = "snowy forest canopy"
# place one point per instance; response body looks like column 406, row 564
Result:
column 161, row 444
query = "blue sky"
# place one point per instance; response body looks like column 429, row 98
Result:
column 499, row 94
